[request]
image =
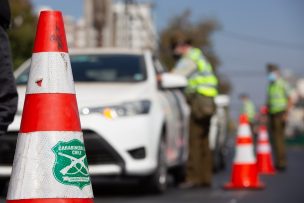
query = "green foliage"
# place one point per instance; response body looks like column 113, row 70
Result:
column 22, row 31
column 182, row 28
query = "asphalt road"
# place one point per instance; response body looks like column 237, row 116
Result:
column 281, row 188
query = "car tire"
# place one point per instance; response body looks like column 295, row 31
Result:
column 157, row 182
column 218, row 160
column 3, row 187
column 179, row 174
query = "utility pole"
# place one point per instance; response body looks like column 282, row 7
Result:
column 98, row 20
column 128, row 23
column 88, row 23
column 102, row 21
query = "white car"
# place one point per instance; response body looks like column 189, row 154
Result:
column 133, row 116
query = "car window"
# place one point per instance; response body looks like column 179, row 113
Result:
column 23, row 77
column 108, row 68
column 103, row 68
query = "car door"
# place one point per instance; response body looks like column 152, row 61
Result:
column 176, row 113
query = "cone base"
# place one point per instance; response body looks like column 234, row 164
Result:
column 244, row 176
column 232, row 186
column 53, row 200
column 264, row 164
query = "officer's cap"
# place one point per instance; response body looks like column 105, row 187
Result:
column 272, row 67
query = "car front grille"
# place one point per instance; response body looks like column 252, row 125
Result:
column 97, row 149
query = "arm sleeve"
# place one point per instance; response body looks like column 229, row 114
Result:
column 8, row 92
column 5, row 14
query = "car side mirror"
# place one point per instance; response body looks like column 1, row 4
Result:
column 171, row 81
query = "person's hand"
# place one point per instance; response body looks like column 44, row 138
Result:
column 285, row 116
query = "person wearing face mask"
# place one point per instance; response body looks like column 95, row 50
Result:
column 200, row 93
column 278, row 103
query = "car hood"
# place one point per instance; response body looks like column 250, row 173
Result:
column 108, row 94
column 102, row 94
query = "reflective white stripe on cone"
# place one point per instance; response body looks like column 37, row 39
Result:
column 38, row 171
column 244, row 131
column 50, row 73
column 244, row 154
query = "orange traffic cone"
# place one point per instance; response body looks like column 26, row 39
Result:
column 50, row 164
column 244, row 171
column 264, row 157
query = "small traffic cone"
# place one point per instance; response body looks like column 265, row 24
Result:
column 244, row 171
column 264, row 157
column 50, row 164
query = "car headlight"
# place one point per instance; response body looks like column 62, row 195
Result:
column 122, row 110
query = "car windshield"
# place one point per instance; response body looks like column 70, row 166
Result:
column 103, row 68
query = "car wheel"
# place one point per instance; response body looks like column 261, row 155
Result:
column 157, row 182
column 3, row 187
column 218, row 160
column 179, row 174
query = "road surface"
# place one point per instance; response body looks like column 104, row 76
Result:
column 281, row 188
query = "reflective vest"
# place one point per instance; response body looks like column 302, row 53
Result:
column 249, row 110
column 203, row 81
column 277, row 96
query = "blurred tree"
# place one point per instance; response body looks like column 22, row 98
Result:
column 22, row 31
column 182, row 28
column 225, row 86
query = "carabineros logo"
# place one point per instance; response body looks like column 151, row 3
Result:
column 71, row 165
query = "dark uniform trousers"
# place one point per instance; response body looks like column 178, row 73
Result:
column 8, row 92
column 199, row 166
column 277, row 132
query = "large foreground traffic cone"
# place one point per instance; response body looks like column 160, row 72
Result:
column 50, row 164
column 264, row 157
column 244, row 171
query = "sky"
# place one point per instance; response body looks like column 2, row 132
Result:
column 252, row 33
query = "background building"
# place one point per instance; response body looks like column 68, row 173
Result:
column 133, row 26
column 105, row 23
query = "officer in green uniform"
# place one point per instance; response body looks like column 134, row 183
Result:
column 200, row 93
column 248, row 109
column 278, row 104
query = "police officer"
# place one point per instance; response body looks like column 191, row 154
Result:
column 278, row 104
column 8, row 92
column 200, row 93
column 248, row 109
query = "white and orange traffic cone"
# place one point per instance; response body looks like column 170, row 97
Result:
column 244, row 171
column 264, row 157
column 50, row 164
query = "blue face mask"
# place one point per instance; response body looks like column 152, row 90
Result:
column 272, row 77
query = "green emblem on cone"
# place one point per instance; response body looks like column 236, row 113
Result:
column 71, row 165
